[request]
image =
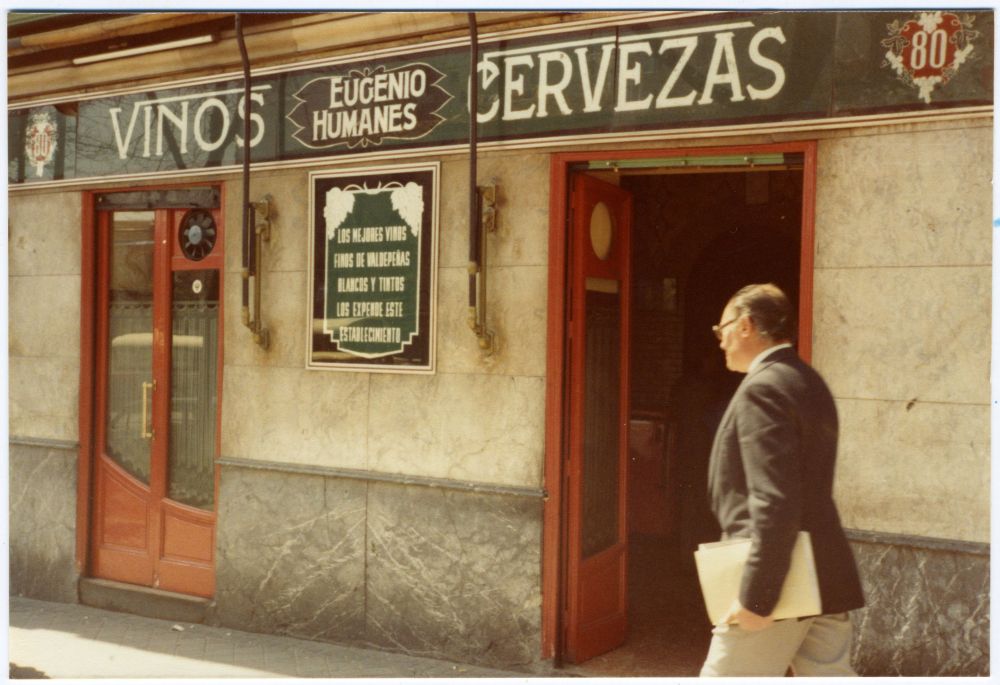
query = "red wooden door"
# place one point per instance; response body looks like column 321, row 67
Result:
column 158, row 344
column 598, row 424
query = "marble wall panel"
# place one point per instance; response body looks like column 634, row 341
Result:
column 288, row 248
column 291, row 554
column 454, row 575
column 283, row 311
column 515, row 312
column 928, row 612
column 265, row 417
column 910, row 197
column 453, row 217
column 921, row 469
column 44, row 317
column 42, row 519
column 522, row 234
column 427, row 571
column 463, row 427
column 44, row 397
column 295, row 416
column 44, row 232
column 918, row 333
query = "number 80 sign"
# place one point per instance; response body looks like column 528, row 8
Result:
column 927, row 51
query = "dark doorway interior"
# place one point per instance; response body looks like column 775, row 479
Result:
column 697, row 238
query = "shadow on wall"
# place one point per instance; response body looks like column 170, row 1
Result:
column 25, row 673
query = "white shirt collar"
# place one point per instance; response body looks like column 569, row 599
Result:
column 760, row 357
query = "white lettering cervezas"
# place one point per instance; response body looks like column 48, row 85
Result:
column 536, row 80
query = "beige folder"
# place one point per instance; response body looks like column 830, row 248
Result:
column 720, row 571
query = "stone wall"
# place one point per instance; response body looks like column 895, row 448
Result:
column 42, row 520
column 901, row 329
column 44, row 319
column 425, row 570
column 440, row 571
column 928, row 610
column 44, row 375
column 902, row 324
column 476, row 419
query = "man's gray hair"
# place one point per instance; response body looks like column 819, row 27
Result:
column 768, row 308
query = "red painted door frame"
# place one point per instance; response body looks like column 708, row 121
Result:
column 556, row 391
column 92, row 322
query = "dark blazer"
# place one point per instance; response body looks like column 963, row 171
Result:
column 771, row 474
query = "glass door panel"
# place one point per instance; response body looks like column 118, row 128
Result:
column 128, row 419
column 191, row 471
column 601, row 431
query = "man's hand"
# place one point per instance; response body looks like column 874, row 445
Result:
column 747, row 619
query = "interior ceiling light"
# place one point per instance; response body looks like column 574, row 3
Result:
column 143, row 50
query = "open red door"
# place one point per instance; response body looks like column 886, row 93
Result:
column 598, row 419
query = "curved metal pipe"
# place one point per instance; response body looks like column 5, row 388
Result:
column 247, row 238
column 474, row 229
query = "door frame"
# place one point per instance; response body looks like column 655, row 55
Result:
column 554, row 522
column 89, row 317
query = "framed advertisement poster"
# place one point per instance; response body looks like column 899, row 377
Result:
column 373, row 268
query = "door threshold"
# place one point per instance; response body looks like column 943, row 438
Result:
column 143, row 601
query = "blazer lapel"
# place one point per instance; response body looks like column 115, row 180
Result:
column 723, row 429
column 715, row 456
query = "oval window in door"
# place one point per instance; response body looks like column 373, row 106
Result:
column 602, row 230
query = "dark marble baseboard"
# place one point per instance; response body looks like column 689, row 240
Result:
column 427, row 571
column 928, row 610
column 290, row 555
column 42, row 517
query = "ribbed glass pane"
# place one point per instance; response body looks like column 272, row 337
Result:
column 193, row 387
column 600, row 422
column 130, row 353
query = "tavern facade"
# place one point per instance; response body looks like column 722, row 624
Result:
column 275, row 361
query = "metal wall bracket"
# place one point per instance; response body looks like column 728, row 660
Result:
column 262, row 217
column 488, row 206
column 486, row 220
column 262, row 213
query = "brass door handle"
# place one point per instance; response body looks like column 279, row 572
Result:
column 146, row 431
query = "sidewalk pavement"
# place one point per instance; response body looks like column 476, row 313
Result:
column 54, row 640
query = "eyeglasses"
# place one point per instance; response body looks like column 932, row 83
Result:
column 717, row 329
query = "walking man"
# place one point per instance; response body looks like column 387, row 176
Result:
column 770, row 476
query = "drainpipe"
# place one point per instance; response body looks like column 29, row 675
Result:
column 477, row 203
column 474, row 232
column 247, row 237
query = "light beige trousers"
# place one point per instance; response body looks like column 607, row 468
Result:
column 819, row 646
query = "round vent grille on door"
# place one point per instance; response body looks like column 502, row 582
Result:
column 198, row 234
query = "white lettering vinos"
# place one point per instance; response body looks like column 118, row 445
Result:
column 178, row 125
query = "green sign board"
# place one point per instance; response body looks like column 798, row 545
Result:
column 576, row 83
column 373, row 266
